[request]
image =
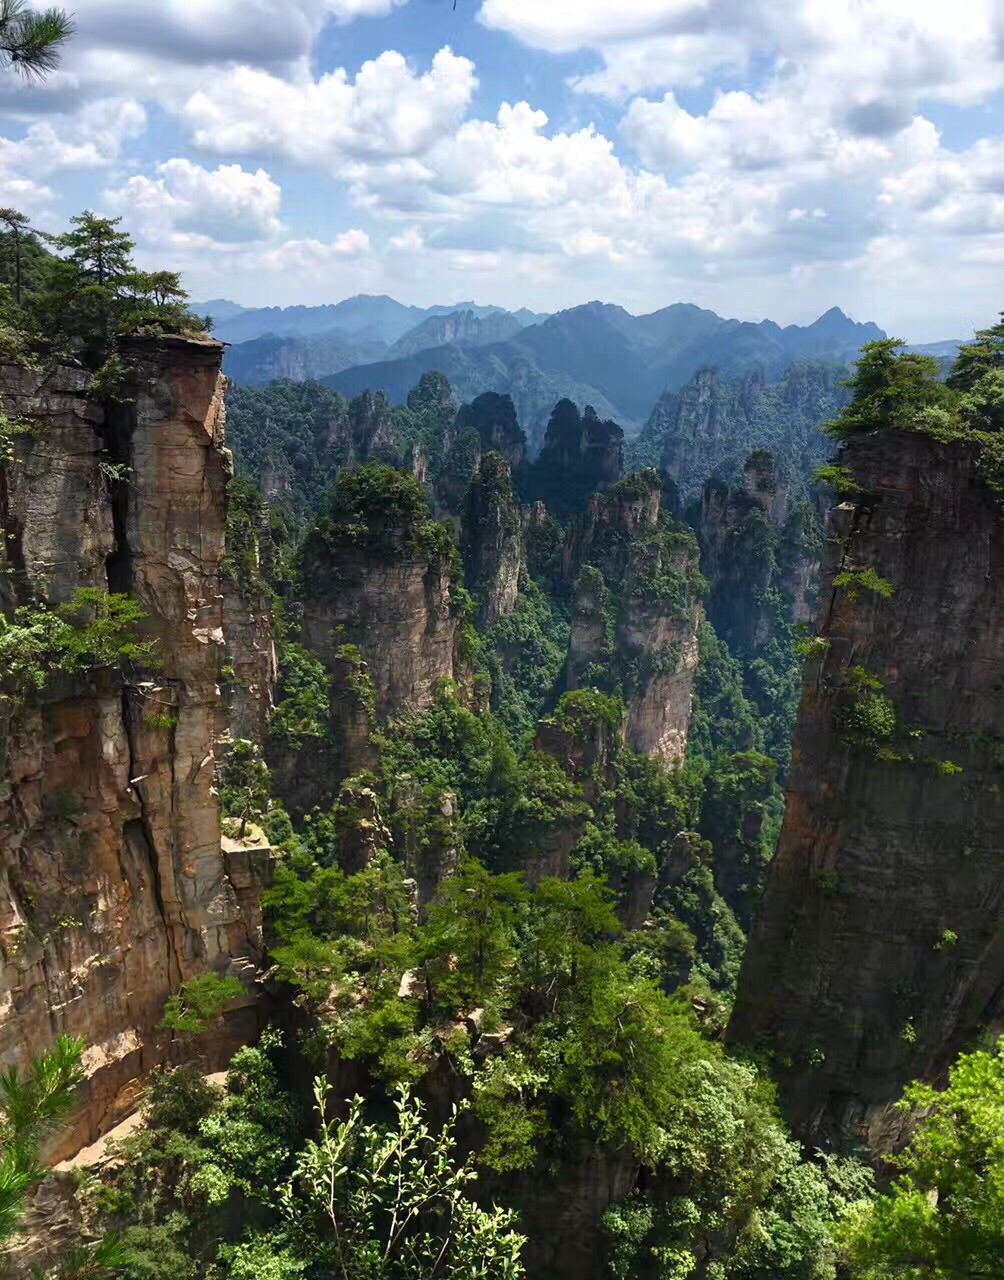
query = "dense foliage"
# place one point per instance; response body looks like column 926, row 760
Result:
column 77, row 300
column 944, row 1215
column 896, row 389
column 92, row 629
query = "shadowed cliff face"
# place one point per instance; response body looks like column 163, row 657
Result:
column 113, row 885
column 879, row 952
column 757, row 551
column 635, row 611
column 490, row 539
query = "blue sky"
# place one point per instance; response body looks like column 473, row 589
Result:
column 761, row 157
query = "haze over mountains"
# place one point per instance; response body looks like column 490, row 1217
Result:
column 595, row 354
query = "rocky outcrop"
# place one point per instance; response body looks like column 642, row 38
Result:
column 878, row 952
column 381, row 614
column 250, row 666
column 581, row 455
column 427, row 824
column 711, row 424
column 397, row 611
column 760, row 554
column 494, row 419
column 490, row 540
column 461, row 328
column 487, row 425
column 114, row 888
column 250, row 670
column 635, row 611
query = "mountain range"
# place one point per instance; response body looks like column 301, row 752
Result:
column 597, row 353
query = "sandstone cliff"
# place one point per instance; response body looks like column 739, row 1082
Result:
column 760, row 554
column 381, row 613
column 636, row 610
column 491, row 539
column 711, row 424
column 487, row 425
column 582, row 454
column 113, row 885
column 878, row 952
column 250, row 668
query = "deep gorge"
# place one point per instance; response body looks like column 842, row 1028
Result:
column 399, row 758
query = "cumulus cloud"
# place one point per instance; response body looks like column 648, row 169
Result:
column 881, row 52
column 90, row 139
column 562, row 26
column 388, row 110
column 228, row 204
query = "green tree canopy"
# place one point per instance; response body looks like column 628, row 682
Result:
column 944, row 1216
column 985, row 354
column 32, row 1104
column 888, row 389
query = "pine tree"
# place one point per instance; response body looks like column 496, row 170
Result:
column 31, row 43
column 31, row 1107
column 985, row 354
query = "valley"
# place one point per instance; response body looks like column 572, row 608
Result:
column 541, row 828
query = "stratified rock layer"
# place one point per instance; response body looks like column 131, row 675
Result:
column 113, row 885
column 879, row 951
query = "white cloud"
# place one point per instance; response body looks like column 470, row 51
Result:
column 881, row 56
column 228, row 204
column 562, row 26
column 303, row 256
column 683, row 60
column 739, row 131
column 90, row 139
column 386, row 111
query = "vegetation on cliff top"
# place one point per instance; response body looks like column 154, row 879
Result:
column 896, row 389
column 71, row 294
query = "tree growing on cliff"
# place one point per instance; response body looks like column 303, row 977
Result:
column 944, row 1216
column 32, row 1105
column 889, row 388
column 32, row 43
column 985, row 354
column 78, row 298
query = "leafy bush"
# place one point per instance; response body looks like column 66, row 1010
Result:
column 92, row 629
column 199, row 1003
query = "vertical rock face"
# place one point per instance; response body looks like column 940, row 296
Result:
column 878, row 953
column 113, row 886
column 636, row 610
column 250, row 667
column 713, row 422
column 490, row 539
column 487, row 425
column 754, row 547
column 380, row 614
column 392, row 604
column 493, row 417
column 251, row 659
column 582, row 454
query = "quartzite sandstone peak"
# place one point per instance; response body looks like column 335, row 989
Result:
column 114, row 888
column 879, row 952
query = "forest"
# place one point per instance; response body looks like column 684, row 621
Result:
column 522, row 778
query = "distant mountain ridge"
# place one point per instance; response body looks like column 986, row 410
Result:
column 361, row 318
column 597, row 353
column 602, row 355
column 464, row 328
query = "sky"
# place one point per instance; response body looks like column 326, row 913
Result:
column 759, row 157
